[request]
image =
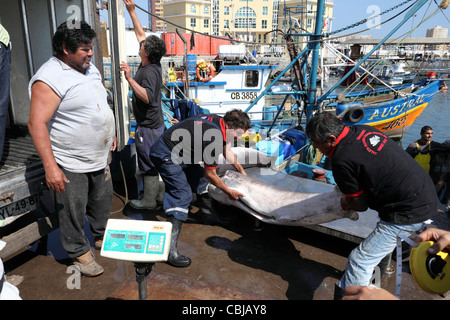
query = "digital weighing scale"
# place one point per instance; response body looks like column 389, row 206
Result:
column 139, row 241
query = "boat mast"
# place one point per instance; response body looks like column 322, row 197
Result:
column 314, row 44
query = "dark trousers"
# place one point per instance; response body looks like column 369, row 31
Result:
column 144, row 139
column 87, row 194
column 180, row 181
column 5, row 67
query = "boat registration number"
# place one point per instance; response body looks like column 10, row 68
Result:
column 246, row 95
column 19, row 207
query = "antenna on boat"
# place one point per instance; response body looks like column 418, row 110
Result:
column 315, row 48
column 186, row 72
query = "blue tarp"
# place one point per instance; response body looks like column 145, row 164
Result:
column 184, row 109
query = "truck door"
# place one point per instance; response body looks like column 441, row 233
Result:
column 31, row 25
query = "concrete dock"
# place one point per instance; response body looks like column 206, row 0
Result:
column 232, row 262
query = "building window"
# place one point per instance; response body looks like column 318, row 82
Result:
column 264, row 24
column 226, row 24
column 245, row 12
column 245, row 18
column 193, row 22
column 193, row 8
column 206, row 10
column 206, row 23
column 264, row 11
column 226, row 10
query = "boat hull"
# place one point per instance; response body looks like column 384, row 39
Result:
column 392, row 117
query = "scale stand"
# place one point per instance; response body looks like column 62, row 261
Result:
column 142, row 271
column 141, row 242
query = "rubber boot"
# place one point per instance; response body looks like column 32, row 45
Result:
column 175, row 259
column 339, row 293
column 206, row 213
column 87, row 265
column 151, row 190
column 204, row 203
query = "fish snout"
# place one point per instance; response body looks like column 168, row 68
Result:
column 352, row 215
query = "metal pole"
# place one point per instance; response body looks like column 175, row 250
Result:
column 315, row 45
column 142, row 271
column 276, row 79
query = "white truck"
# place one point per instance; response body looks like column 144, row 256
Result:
column 24, row 218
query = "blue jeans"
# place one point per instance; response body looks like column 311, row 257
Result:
column 378, row 244
column 5, row 67
column 180, row 181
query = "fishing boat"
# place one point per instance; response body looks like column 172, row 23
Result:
column 391, row 71
column 392, row 110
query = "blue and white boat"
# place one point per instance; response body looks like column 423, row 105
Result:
column 391, row 71
column 234, row 86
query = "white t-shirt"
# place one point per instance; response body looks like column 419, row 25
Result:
column 7, row 290
column 82, row 129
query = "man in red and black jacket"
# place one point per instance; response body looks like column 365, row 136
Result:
column 177, row 155
column 373, row 172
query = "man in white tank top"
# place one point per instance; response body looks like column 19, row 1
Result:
column 73, row 130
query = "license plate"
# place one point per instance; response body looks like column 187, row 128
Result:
column 19, row 207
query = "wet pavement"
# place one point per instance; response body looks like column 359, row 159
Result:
column 229, row 261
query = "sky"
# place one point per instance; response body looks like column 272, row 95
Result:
column 361, row 9
column 347, row 12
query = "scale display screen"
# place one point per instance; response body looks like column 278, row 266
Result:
column 138, row 241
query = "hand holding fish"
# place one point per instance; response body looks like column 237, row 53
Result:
column 234, row 194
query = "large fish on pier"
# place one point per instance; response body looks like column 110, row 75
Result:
column 247, row 158
column 275, row 205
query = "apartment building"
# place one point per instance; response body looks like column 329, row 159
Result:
column 157, row 8
column 190, row 14
column 253, row 21
column 437, row 32
column 299, row 16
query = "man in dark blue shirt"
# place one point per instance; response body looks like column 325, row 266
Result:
column 177, row 155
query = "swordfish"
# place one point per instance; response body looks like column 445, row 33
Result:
column 275, row 205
